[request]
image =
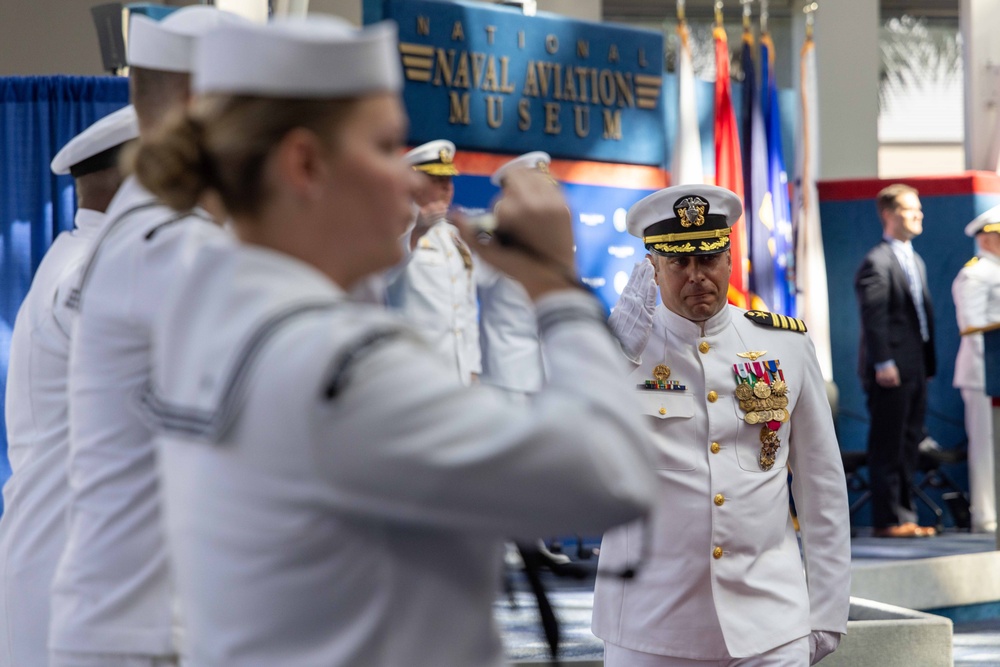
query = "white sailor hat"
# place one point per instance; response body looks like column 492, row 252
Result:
column 168, row 44
column 538, row 160
column 435, row 158
column 685, row 220
column 311, row 57
column 984, row 222
column 97, row 147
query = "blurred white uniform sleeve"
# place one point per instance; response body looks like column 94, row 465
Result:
column 409, row 443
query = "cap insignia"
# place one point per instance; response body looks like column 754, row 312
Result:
column 447, row 157
column 691, row 211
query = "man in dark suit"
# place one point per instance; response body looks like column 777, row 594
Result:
column 896, row 359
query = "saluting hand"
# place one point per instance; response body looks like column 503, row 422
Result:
column 533, row 240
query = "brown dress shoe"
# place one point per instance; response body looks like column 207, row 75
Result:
column 908, row 529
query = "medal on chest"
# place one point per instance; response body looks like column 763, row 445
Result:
column 762, row 393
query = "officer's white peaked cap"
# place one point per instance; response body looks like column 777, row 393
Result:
column 685, row 220
column 436, row 158
column 168, row 44
column 92, row 149
column 988, row 221
column 318, row 57
column 539, row 160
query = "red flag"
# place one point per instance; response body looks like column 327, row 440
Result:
column 729, row 165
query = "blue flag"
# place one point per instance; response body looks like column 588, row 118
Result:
column 781, row 245
column 756, row 201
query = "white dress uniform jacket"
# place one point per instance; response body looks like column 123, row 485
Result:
column 508, row 333
column 33, row 526
column 111, row 592
column 976, row 292
column 334, row 496
column 436, row 292
column 722, row 574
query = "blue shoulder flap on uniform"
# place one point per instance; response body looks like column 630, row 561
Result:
column 764, row 318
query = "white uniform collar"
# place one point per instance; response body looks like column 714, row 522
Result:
column 129, row 193
column 685, row 328
column 88, row 221
column 988, row 256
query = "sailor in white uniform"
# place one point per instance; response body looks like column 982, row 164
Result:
column 733, row 400
column 435, row 287
column 111, row 598
column 508, row 330
column 976, row 291
column 33, row 526
column 333, row 495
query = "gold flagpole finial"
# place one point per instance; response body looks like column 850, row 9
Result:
column 718, row 13
column 680, row 11
column 747, row 7
column 809, row 9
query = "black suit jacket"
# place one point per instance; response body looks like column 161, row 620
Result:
column 890, row 327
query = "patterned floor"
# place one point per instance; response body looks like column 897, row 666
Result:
column 976, row 644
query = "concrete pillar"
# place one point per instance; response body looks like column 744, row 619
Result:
column 978, row 21
column 349, row 10
column 847, row 72
column 587, row 10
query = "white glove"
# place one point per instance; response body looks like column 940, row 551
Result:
column 632, row 319
column 822, row 644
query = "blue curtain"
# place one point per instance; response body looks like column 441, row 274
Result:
column 38, row 115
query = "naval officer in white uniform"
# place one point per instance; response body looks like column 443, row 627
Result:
column 733, row 400
column 435, row 287
column 111, row 598
column 33, row 526
column 976, row 291
column 508, row 330
column 333, row 495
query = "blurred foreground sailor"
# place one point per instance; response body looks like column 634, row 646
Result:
column 734, row 399
column 112, row 598
column 976, row 291
column 435, row 288
column 33, row 526
column 508, row 330
column 333, row 496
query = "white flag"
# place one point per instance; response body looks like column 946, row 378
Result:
column 810, row 262
column 686, row 167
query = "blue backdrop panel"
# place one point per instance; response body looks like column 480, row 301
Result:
column 850, row 228
column 605, row 252
column 38, row 115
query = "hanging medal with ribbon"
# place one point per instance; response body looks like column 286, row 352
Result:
column 762, row 393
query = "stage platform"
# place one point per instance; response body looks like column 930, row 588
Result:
column 929, row 602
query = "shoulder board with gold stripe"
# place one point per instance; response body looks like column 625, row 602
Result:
column 972, row 261
column 764, row 318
